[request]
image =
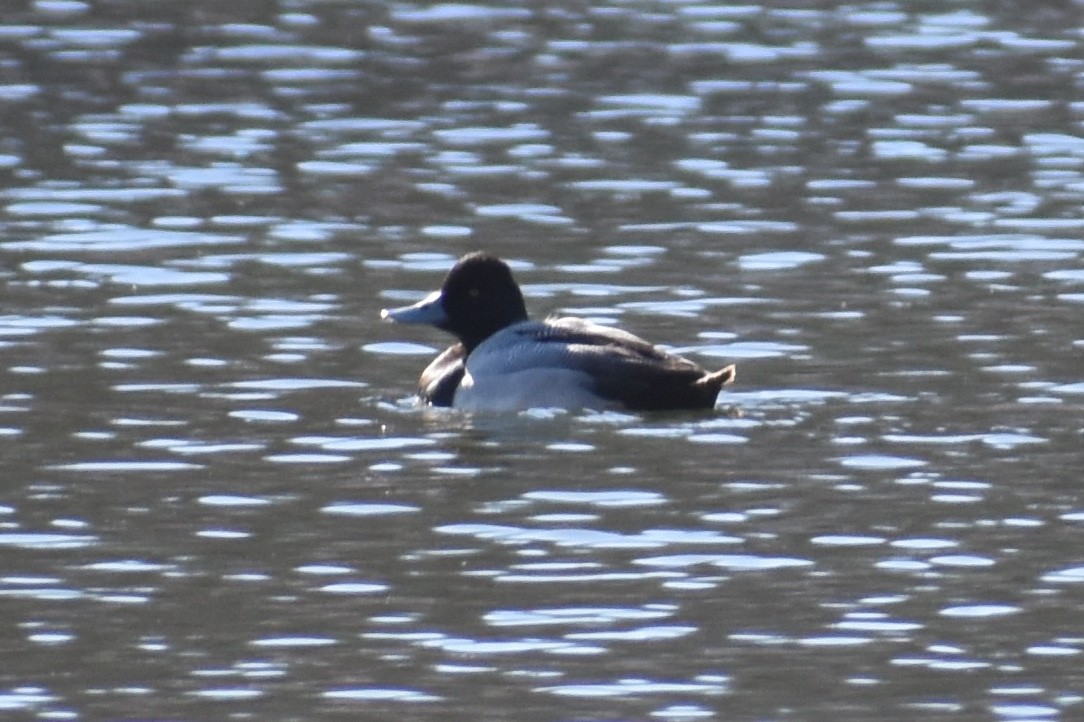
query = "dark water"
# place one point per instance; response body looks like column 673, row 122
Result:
column 217, row 501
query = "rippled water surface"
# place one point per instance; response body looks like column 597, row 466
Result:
column 218, row 501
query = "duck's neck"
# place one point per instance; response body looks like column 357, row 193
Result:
column 486, row 324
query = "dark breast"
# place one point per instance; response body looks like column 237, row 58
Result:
column 442, row 377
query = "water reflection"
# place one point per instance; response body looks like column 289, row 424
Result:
column 216, row 487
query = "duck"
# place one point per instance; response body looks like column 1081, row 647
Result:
column 504, row 361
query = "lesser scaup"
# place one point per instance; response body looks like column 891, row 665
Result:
column 505, row 362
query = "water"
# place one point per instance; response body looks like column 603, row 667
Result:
column 217, row 501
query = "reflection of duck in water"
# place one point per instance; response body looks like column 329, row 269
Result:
column 506, row 362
